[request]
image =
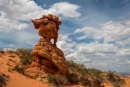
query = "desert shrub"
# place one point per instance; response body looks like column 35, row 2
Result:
column 10, row 51
column 11, row 56
column 56, row 80
column 85, row 81
column 71, row 64
column 2, row 81
column 97, row 83
column 111, row 76
column 25, row 55
column 76, row 67
column 115, row 79
column 19, row 68
column 12, row 60
column 82, row 70
column 72, row 78
column 23, row 51
column 1, row 51
column 26, row 60
column 96, row 72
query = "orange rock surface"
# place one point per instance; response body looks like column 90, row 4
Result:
column 45, row 54
column 48, row 26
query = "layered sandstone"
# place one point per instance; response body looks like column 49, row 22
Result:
column 47, row 56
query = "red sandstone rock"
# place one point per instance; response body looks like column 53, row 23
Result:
column 34, row 72
column 51, row 57
column 47, row 56
column 48, row 27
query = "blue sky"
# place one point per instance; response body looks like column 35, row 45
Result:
column 93, row 32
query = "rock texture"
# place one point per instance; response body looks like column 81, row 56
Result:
column 48, row 26
column 35, row 72
column 47, row 56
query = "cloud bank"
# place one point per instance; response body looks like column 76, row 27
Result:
column 112, row 51
column 16, row 14
column 109, row 31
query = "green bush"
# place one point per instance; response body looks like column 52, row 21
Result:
column 10, row 51
column 85, row 81
column 19, row 69
column 115, row 79
column 56, row 80
column 73, row 78
column 11, row 56
column 25, row 55
column 26, row 60
column 97, row 83
column 95, row 75
column 76, row 67
column 2, row 81
column 95, row 72
column 111, row 76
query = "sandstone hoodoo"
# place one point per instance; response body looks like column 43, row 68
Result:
column 47, row 56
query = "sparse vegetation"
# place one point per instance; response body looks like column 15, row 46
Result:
column 19, row 68
column 115, row 79
column 96, row 75
column 11, row 56
column 10, row 51
column 85, row 81
column 25, row 59
column 56, row 80
column 97, row 83
column 73, row 78
column 79, row 73
column 80, row 68
column 25, row 55
column 2, row 81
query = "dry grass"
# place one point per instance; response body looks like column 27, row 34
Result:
column 56, row 80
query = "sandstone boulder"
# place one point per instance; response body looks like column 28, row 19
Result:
column 50, row 58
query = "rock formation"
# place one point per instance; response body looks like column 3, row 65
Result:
column 48, row 26
column 46, row 55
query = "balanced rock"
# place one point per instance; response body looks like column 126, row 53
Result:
column 47, row 56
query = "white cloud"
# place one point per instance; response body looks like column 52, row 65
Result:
column 81, row 19
column 11, row 45
column 99, row 55
column 65, row 8
column 9, row 49
column 109, row 31
column 104, row 54
column 95, row 50
column 123, row 42
column 65, row 43
column 89, row 32
column 14, row 13
column 124, row 52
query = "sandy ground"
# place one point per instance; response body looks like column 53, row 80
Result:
column 19, row 80
column 127, row 82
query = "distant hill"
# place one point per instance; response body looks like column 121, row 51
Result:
column 123, row 73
